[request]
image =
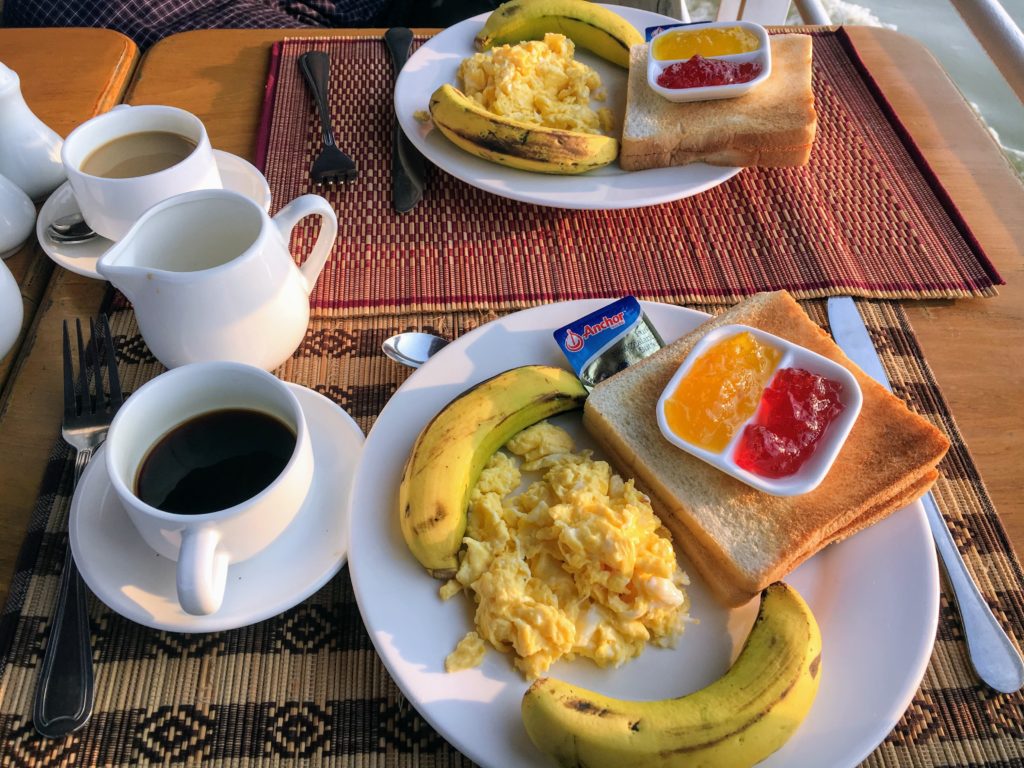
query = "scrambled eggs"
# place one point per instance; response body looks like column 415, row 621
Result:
column 537, row 81
column 576, row 565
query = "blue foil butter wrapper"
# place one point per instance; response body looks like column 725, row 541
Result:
column 608, row 340
column 650, row 32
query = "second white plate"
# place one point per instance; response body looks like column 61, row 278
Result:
column 609, row 188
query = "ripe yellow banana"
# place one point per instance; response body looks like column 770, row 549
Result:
column 587, row 24
column 527, row 146
column 452, row 450
column 735, row 722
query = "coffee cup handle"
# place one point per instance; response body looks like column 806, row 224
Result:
column 202, row 572
column 291, row 214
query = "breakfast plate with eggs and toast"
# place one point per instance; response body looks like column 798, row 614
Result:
column 873, row 596
column 575, row 104
column 436, row 62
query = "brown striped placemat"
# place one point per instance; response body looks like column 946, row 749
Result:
column 307, row 688
column 865, row 217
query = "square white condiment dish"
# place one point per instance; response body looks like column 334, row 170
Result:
column 813, row 471
column 762, row 55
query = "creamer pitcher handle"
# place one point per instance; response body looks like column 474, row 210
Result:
column 291, row 214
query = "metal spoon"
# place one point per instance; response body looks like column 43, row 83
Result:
column 413, row 348
column 70, row 229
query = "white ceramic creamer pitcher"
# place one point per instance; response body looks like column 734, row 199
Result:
column 210, row 277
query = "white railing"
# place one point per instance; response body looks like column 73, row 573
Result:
column 999, row 36
column 812, row 12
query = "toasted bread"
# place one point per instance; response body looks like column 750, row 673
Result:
column 738, row 538
column 772, row 125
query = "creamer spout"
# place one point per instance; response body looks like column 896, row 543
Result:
column 118, row 266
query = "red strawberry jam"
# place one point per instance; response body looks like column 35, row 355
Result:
column 795, row 411
column 697, row 72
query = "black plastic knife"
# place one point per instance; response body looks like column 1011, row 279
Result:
column 407, row 164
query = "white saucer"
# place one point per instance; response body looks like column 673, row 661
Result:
column 139, row 584
column 237, row 174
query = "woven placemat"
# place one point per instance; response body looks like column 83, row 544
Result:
column 307, row 688
column 865, row 217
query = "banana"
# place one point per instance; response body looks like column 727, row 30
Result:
column 452, row 450
column 527, row 146
column 587, row 24
column 736, row 721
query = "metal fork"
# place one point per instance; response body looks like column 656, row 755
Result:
column 332, row 164
column 64, row 693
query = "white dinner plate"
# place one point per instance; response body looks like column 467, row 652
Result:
column 437, row 61
column 875, row 595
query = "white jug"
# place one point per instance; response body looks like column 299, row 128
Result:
column 29, row 150
column 210, row 277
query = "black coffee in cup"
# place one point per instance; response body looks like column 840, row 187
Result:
column 214, row 461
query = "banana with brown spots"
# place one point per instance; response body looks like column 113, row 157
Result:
column 514, row 143
column 735, row 722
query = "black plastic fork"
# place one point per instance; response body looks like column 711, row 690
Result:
column 64, row 692
column 332, row 164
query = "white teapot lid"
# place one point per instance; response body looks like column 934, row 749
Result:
column 9, row 81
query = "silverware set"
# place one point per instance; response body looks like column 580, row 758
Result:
column 334, row 165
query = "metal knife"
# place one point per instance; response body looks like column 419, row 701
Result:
column 992, row 655
column 407, row 164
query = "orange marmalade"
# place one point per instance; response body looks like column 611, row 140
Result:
column 719, row 41
column 721, row 391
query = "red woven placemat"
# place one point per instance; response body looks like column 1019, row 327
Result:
column 864, row 217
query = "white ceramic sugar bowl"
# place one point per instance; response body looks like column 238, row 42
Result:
column 29, row 149
column 17, row 217
column 10, row 310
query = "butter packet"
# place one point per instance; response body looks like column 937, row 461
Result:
column 651, row 32
column 608, row 340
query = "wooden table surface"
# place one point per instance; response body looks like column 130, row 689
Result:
column 67, row 76
column 974, row 346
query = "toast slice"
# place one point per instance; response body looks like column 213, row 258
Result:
column 738, row 538
column 773, row 125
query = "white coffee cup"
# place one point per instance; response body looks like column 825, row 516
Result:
column 110, row 206
column 204, row 545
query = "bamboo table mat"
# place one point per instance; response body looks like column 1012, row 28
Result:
column 866, row 217
column 306, row 687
